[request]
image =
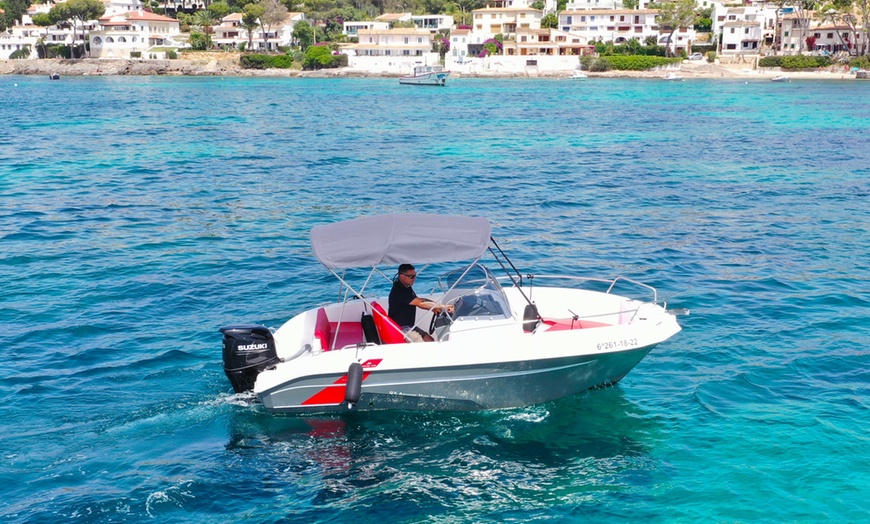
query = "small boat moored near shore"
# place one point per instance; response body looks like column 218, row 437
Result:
column 54, row 76
column 433, row 75
column 672, row 76
column 780, row 78
column 503, row 341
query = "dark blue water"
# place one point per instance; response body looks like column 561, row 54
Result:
column 140, row 214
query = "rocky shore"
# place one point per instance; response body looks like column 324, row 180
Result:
column 212, row 64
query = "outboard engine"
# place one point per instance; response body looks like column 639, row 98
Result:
column 248, row 350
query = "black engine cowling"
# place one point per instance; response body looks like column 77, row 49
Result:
column 248, row 350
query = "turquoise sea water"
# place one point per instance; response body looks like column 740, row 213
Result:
column 140, row 214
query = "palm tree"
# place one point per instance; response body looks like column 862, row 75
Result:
column 205, row 19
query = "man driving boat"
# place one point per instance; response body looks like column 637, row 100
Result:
column 404, row 302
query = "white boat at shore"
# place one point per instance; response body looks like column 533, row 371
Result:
column 513, row 340
column 779, row 78
column 433, row 75
column 672, row 76
column 578, row 75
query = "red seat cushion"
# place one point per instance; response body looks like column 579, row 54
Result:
column 388, row 330
column 322, row 329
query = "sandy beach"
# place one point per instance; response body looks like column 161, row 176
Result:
column 222, row 64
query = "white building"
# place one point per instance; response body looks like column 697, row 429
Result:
column 745, row 29
column 395, row 50
column 611, row 25
column 230, row 33
column 352, row 28
column 433, row 23
column 132, row 31
column 506, row 21
column 830, row 39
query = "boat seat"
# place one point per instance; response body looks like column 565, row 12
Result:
column 388, row 330
column 322, row 329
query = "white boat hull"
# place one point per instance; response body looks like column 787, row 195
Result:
column 475, row 368
column 426, row 79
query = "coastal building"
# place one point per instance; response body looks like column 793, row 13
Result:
column 794, row 29
column 744, row 29
column 586, row 5
column 351, row 28
column 615, row 25
column 433, row 23
column 19, row 40
column 459, row 40
column 828, row 39
column 505, row 21
column 392, row 18
column 230, row 34
column 132, row 32
column 395, row 50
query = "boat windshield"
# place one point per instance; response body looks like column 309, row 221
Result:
column 474, row 292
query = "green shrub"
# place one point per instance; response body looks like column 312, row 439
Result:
column 20, row 54
column 135, row 54
column 198, row 41
column 171, row 55
column 770, row 61
column 861, row 62
column 253, row 61
column 804, row 62
column 599, row 65
column 793, row 62
column 638, row 62
column 318, row 57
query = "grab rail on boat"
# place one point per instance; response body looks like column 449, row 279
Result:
column 612, row 282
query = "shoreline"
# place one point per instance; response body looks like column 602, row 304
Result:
column 227, row 65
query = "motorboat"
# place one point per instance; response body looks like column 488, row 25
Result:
column 510, row 339
column 430, row 75
column 672, row 76
column 779, row 78
column 578, row 75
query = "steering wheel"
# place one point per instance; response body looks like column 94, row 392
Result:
column 440, row 319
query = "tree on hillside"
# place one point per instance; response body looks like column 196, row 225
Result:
column 251, row 21
column 303, row 34
column 672, row 16
column 804, row 10
column 274, row 13
column 219, row 9
column 550, row 21
column 11, row 12
column 77, row 12
column 205, row 20
column 849, row 13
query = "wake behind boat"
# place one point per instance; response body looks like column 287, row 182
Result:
column 511, row 341
column 433, row 75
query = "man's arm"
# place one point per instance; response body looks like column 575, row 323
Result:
column 432, row 306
